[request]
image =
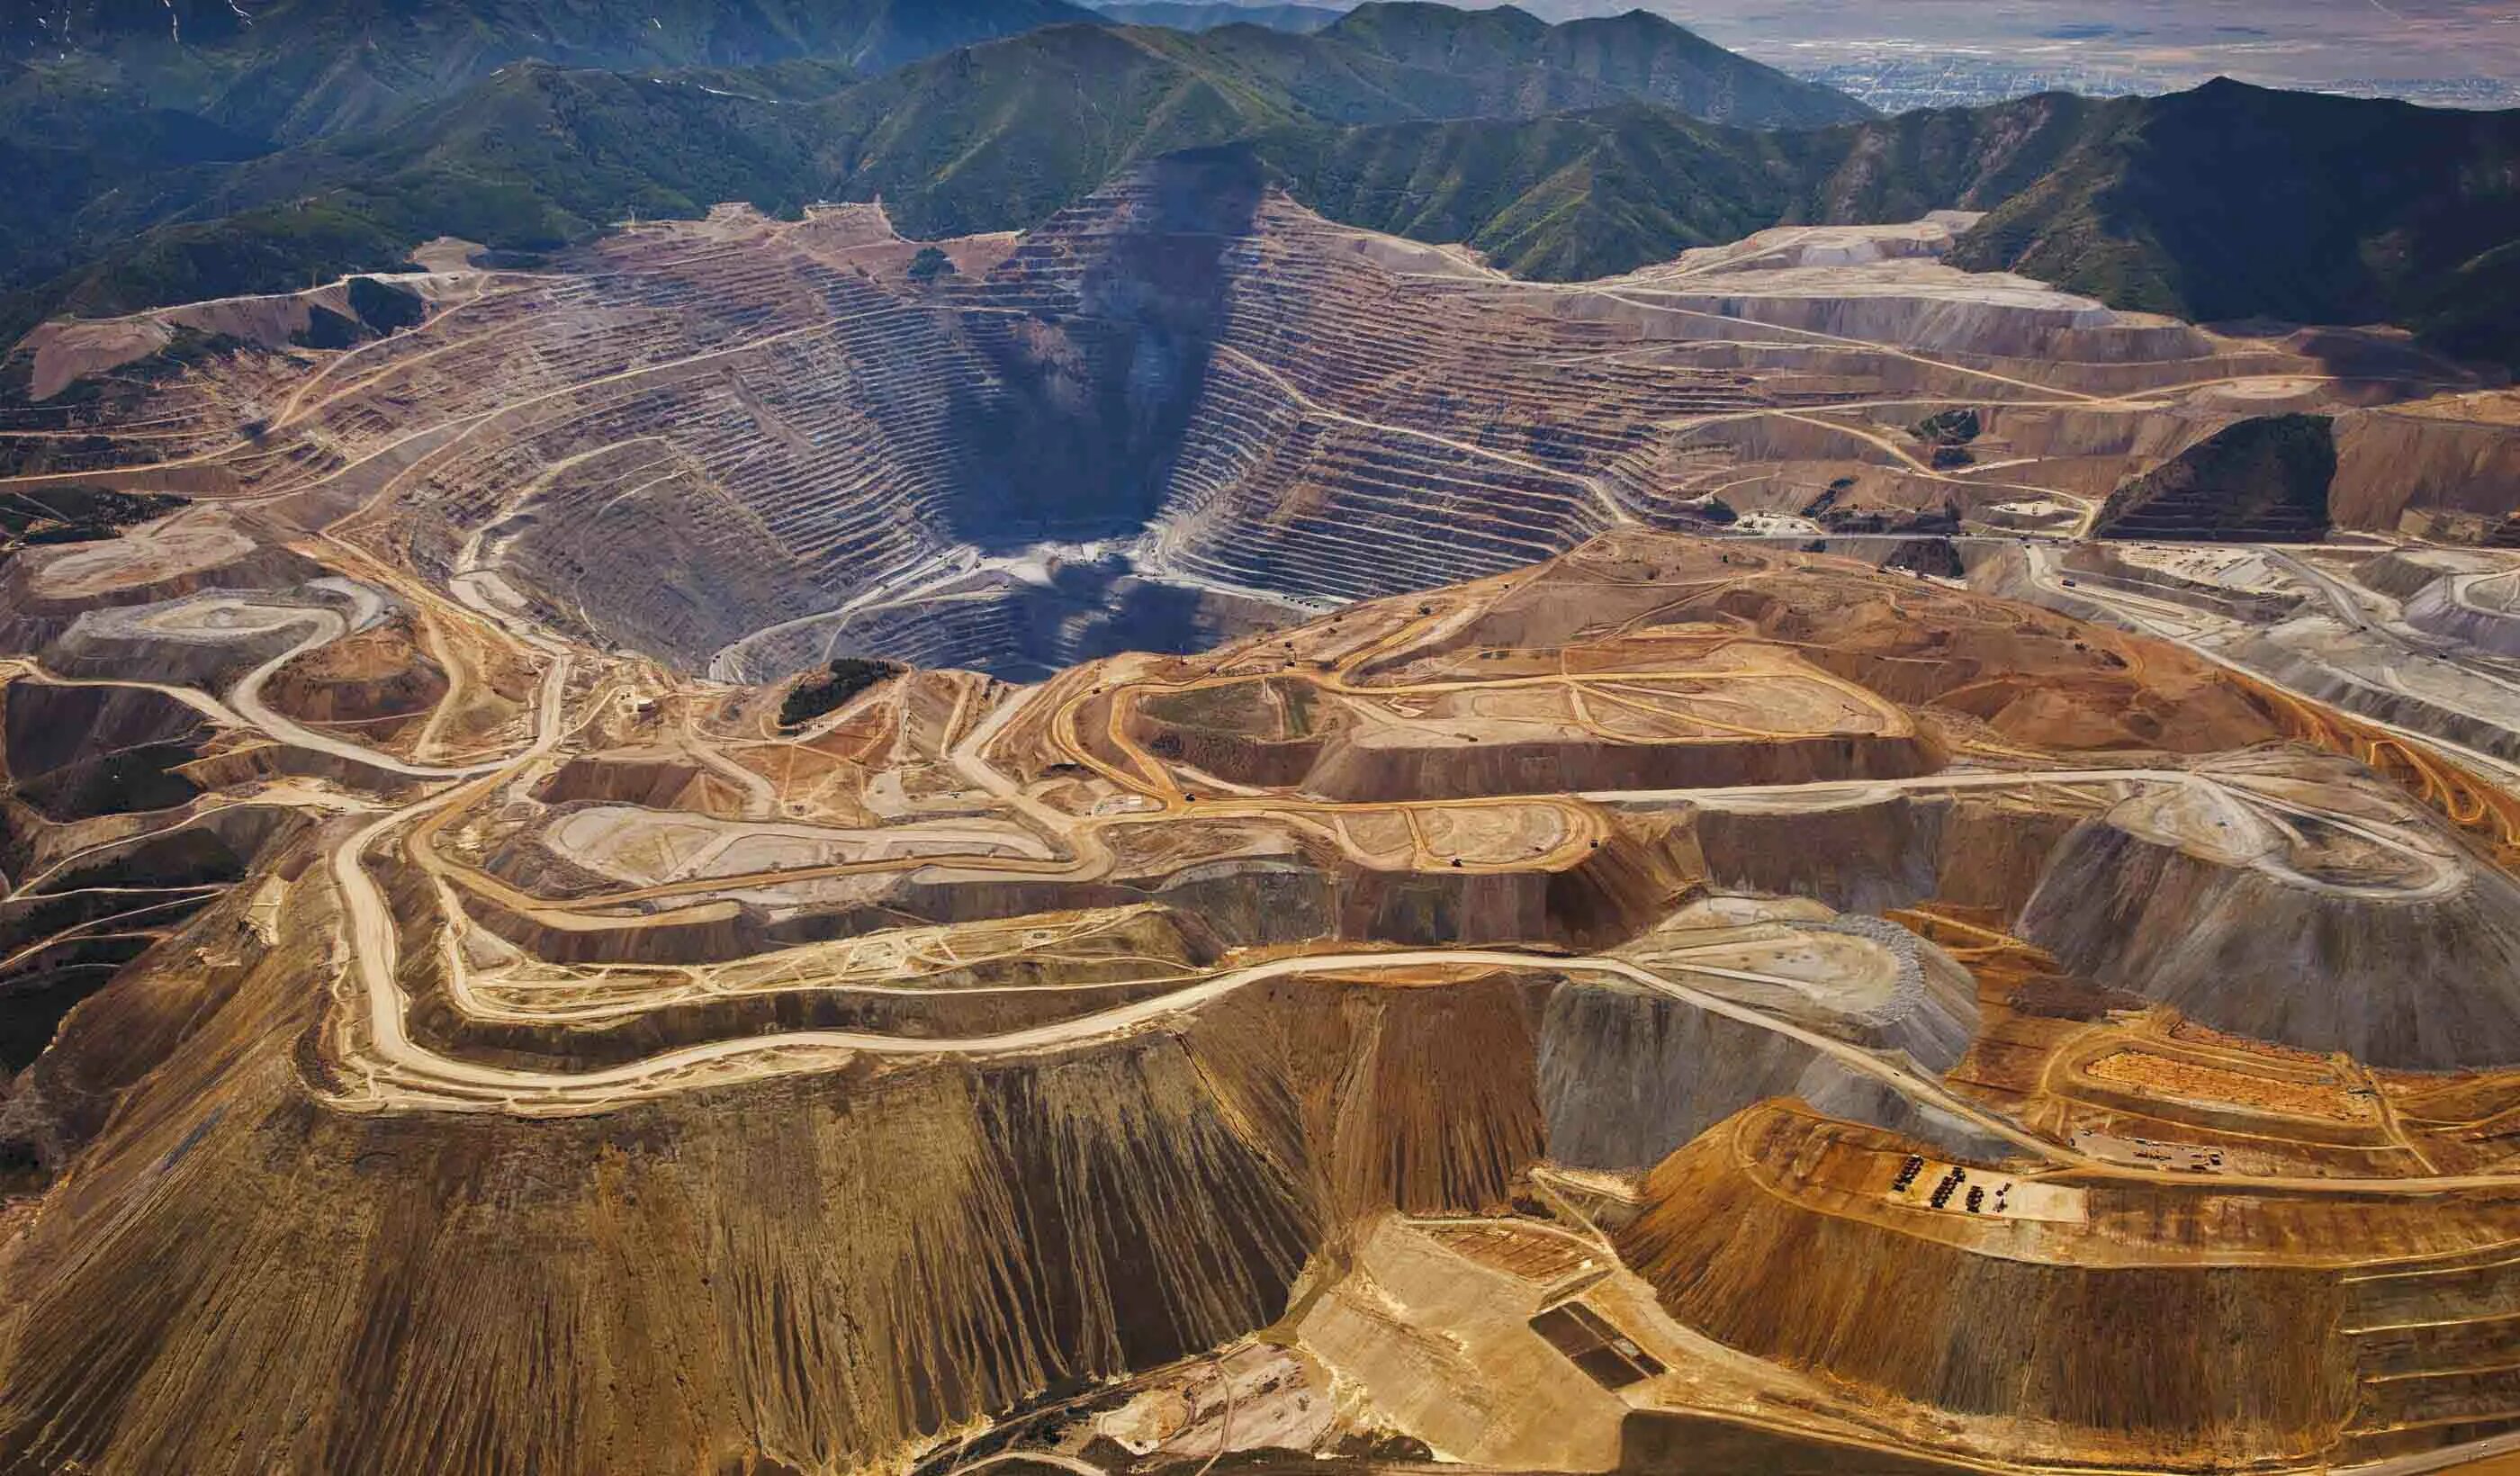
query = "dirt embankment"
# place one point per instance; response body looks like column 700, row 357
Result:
column 1353, row 771
column 79, row 752
column 1608, row 895
column 963, row 1237
column 2267, row 478
column 118, row 575
column 651, row 782
column 377, row 681
column 2429, row 475
column 2322, row 969
column 2176, row 1364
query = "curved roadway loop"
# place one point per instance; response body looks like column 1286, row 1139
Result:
column 396, row 1072
column 387, row 1070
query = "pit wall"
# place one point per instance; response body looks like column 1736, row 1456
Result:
column 2423, row 475
column 2319, row 969
column 1355, row 772
column 1606, row 896
column 2181, row 1366
column 829, row 1271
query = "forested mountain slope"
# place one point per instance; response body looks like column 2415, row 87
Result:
column 1561, row 152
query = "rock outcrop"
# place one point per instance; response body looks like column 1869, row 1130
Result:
column 2260, row 480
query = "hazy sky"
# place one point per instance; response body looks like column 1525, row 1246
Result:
column 2259, row 40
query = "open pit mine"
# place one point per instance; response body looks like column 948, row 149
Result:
column 1212, row 843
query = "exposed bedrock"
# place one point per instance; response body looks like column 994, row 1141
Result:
column 43, row 592
column 1074, row 430
column 2260, row 479
column 1866, row 858
column 79, row 752
column 684, row 604
column 68, row 1095
column 1938, row 557
column 2287, row 663
column 1993, row 853
column 238, row 766
column 1422, row 1100
column 1267, row 733
column 1670, row 1443
column 989, row 996
column 2430, row 475
column 1355, row 771
column 374, row 680
column 1606, row 896
column 1020, row 1005
column 2450, row 1324
column 2179, row 1364
column 2101, row 435
column 889, row 1258
column 1884, row 853
column 664, row 781
column 856, row 477
column 1627, row 1077
column 2302, row 671
column 1066, row 605
column 2100, row 565
column 206, row 640
column 2412, row 982
column 2399, row 573
column 2042, row 326
column 77, row 921
column 824, row 1271
column 1929, row 1013
column 2438, row 608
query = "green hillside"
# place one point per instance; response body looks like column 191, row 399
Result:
column 1004, row 135
column 1571, row 197
column 1209, row 15
column 1442, row 37
column 301, row 69
column 64, row 146
column 535, row 155
column 128, row 127
column 2265, row 478
column 2234, row 202
column 1639, row 55
column 1521, row 138
column 1560, row 199
column 532, row 159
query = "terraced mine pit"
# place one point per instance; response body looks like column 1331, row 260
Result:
column 1178, row 412
column 1472, row 941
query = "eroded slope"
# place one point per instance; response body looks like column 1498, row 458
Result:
column 1466, row 1024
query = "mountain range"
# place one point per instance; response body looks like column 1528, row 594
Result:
column 149, row 171
column 295, row 69
column 1208, row 14
column 2231, row 202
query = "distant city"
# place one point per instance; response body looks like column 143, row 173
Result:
column 2442, row 92
column 1968, row 52
column 1900, row 77
column 1899, row 81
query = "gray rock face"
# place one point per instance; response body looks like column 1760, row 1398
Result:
column 1628, row 1077
column 2427, row 984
